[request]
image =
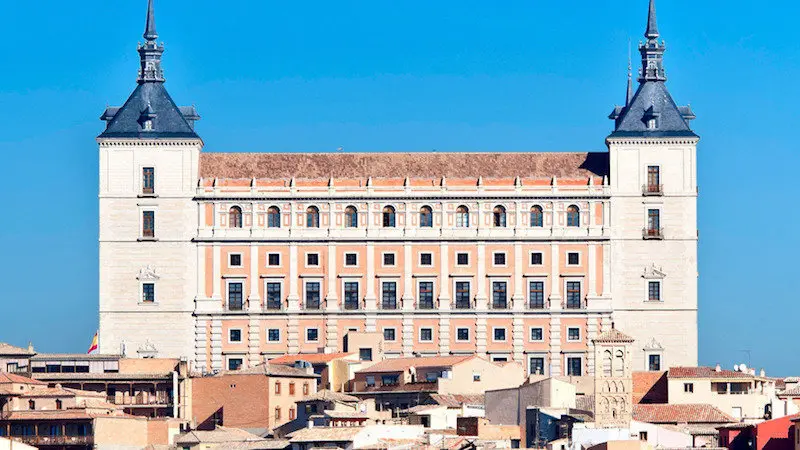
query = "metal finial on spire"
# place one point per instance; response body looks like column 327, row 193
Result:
column 629, row 93
column 652, row 24
column 150, row 33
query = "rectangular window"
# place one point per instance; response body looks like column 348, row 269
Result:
column 653, row 179
column 148, row 292
column 499, row 334
column 654, row 291
column 643, row 435
column 536, row 259
column 312, row 295
column 273, row 335
column 653, row 222
column 463, row 300
column 537, row 334
column 234, row 335
column 351, row 259
column 388, row 259
column 292, row 414
column 235, row 299
column 573, row 258
column 573, row 295
column 389, row 334
column 425, row 295
column 277, row 412
column 462, row 334
column 312, row 259
column 688, row 387
column 370, row 379
column 462, row 259
column 291, row 388
column 365, row 354
column 499, row 358
column 536, row 295
column 148, row 180
column 312, row 335
column 274, row 300
column 426, row 334
column 536, row 366
column 390, row 380
column 425, row 259
column 351, row 295
column 499, row 295
column 389, row 296
column 274, row 259
column 476, row 377
column 573, row 334
column 574, row 366
column 234, row 363
column 654, row 363
column 499, row 259
column 431, row 377
column 148, row 224
column 235, row 260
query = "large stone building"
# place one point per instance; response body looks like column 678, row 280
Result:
column 230, row 259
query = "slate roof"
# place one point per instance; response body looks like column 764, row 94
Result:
column 652, row 99
column 691, row 413
column 169, row 120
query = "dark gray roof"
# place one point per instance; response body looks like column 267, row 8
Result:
column 652, row 100
column 168, row 121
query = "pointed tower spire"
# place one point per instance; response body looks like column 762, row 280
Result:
column 629, row 92
column 150, row 52
column 652, row 50
column 652, row 23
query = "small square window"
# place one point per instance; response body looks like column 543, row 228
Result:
column 274, row 259
column 476, row 377
column 536, row 259
column 537, row 334
column 573, row 334
column 426, row 334
column 688, row 387
column 312, row 335
column 425, row 259
column 370, row 381
column 235, row 363
column 312, row 259
column 388, row 259
column 499, row 334
column 235, row 260
column 575, row 366
column 274, row 335
column 499, row 259
column 365, row 354
column 573, row 258
column 234, row 335
column 462, row 259
column 351, row 259
column 389, row 334
column 462, row 334
column 148, row 292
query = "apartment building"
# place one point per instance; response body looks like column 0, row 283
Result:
column 231, row 259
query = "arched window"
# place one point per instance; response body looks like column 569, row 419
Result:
column 619, row 364
column 273, row 217
column 59, row 404
column 537, row 216
column 31, row 405
column 573, row 216
column 426, row 217
column 462, row 217
column 607, row 361
column 499, row 216
column 235, row 217
column 312, row 217
column 388, row 217
column 351, row 217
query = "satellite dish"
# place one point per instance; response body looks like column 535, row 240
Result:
column 735, row 367
column 743, row 367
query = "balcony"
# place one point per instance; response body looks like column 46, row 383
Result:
column 574, row 304
column 653, row 233
column 652, row 190
column 540, row 305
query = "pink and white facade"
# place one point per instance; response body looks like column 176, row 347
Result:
column 231, row 259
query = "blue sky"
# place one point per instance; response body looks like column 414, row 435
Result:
column 405, row 76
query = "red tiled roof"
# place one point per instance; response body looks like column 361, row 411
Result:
column 456, row 400
column 692, row 413
column 313, row 358
column 705, row 372
column 397, row 388
column 613, row 335
column 650, row 387
column 6, row 377
column 403, row 364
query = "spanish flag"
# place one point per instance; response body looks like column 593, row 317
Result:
column 93, row 347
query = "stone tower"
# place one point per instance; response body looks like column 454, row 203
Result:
column 613, row 385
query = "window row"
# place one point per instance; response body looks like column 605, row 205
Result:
column 497, row 334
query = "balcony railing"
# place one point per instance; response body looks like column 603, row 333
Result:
column 575, row 304
column 653, row 233
column 652, row 189
column 539, row 304
column 41, row 441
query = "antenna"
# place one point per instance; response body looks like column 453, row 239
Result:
column 747, row 352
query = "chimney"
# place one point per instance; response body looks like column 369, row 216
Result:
column 30, row 347
column 763, row 373
column 718, row 368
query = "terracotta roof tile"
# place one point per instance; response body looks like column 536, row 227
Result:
column 650, row 387
column 220, row 435
column 691, row 413
column 456, row 400
column 325, row 434
column 274, row 370
column 613, row 335
column 327, row 395
column 313, row 358
column 705, row 372
column 6, row 377
column 403, row 364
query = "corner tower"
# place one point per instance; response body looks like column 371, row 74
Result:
column 653, row 178
column 149, row 154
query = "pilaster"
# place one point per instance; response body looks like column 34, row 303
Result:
column 331, row 300
column 518, row 339
column 480, row 334
column 408, row 281
column 370, row 298
column 408, row 335
column 253, row 341
column 216, row 344
column 253, row 300
column 216, row 281
column 444, row 334
column 293, row 299
column 555, row 346
column 293, row 334
column 200, row 341
column 331, row 334
column 444, row 278
column 480, row 294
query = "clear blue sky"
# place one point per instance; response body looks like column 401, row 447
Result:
column 404, row 76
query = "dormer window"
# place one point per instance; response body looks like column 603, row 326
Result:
column 148, row 125
column 652, row 124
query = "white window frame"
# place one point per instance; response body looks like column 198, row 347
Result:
column 280, row 335
column 660, row 282
column 540, row 279
column 530, row 334
column 571, row 279
column 505, row 258
column 579, row 259
column 530, row 258
column 228, row 359
column 241, row 280
column 383, row 261
column 468, row 259
column 141, row 292
column 140, row 232
column 308, row 341
column 505, row 334
column 383, row 333
column 504, row 356
column 567, row 357
column 648, row 353
column 319, row 260
column 241, row 260
column 469, row 335
column 545, row 367
column 490, row 285
column 280, row 260
column 580, row 335
column 419, row 334
column 344, row 259
column 241, row 333
column 419, row 260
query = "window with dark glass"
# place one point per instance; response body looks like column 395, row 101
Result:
column 499, row 334
column 148, row 223
column 312, row 217
column 462, row 217
column 389, row 295
column 426, row 334
column 274, row 335
column 499, row 295
column 537, row 216
column 536, row 366
column 388, row 259
column 351, row 295
column 235, row 217
column 573, row 334
column 536, row 295
column 426, row 217
column 463, row 300
column 148, row 180
column 312, row 259
column 499, row 216
column 462, row 334
column 235, row 260
column 274, row 259
column 500, row 259
column 654, row 291
column 573, row 216
column 653, row 179
column 573, row 258
column 388, row 217
column 351, row 259
column 148, row 292
column 235, row 335
column 365, row 354
column 654, row 363
column 389, row 334
column 234, row 363
column 312, row 335
column 537, row 334
column 390, row 380
column 370, row 380
column 653, row 222
column 351, row 217
column 425, row 259
column 462, row 259
column 574, row 366
column 312, row 295
column 274, row 296
column 425, row 295
column 536, row 259
column 273, row 217
column 235, row 302
column 573, row 294
column 59, row 405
